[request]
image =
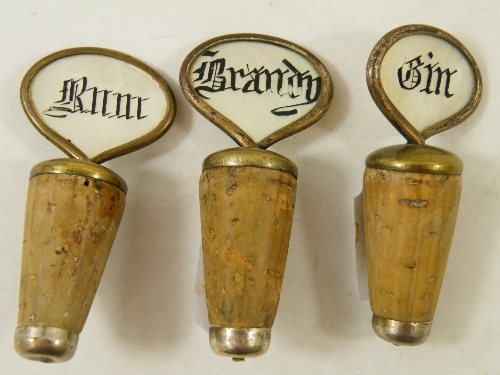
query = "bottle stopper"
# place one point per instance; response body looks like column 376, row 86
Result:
column 258, row 89
column 425, row 82
column 95, row 105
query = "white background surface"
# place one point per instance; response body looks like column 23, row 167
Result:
column 140, row 320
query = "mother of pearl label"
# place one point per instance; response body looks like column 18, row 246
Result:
column 97, row 102
column 427, row 79
column 260, row 87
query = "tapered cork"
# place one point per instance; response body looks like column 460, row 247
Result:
column 409, row 223
column 246, row 218
column 70, row 225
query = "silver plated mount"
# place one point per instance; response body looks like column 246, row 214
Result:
column 45, row 344
column 240, row 343
column 401, row 333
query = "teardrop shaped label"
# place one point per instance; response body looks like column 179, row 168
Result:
column 257, row 88
column 424, row 78
column 97, row 104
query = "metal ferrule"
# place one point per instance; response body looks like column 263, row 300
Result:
column 250, row 157
column 401, row 333
column 79, row 168
column 416, row 158
column 45, row 344
column 240, row 343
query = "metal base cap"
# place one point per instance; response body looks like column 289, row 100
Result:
column 45, row 344
column 240, row 343
column 401, row 333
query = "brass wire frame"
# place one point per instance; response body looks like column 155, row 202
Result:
column 407, row 130
column 229, row 127
column 67, row 147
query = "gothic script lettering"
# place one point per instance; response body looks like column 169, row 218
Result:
column 410, row 76
column 77, row 97
column 214, row 76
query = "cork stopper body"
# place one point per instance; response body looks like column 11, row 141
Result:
column 409, row 223
column 246, row 220
column 70, row 225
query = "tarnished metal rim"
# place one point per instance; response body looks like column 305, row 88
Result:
column 383, row 102
column 232, row 129
column 69, row 148
column 79, row 168
column 416, row 158
column 250, row 157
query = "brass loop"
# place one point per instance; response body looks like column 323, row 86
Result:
column 250, row 157
column 396, row 118
column 227, row 125
column 71, row 149
column 79, row 168
column 416, row 158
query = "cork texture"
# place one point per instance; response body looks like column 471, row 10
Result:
column 70, row 225
column 246, row 219
column 409, row 223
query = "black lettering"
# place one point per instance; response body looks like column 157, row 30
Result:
column 447, row 83
column 65, row 90
column 410, row 77
column 95, row 92
column 118, row 104
column 139, row 108
column 412, row 74
column 77, row 102
column 105, row 102
column 255, row 81
column 127, row 108
column 75, row 99
column 215, row 76
column 214, row 79
column 427, row 88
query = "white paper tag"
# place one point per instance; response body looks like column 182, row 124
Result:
column 199, row 312
column 361, row 265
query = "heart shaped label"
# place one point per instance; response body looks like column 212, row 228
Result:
column 256, row 88
column 96, row 104
column 423, row 80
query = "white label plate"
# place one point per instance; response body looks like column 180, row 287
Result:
column 102, row 103
column 423, row 80
column 260, row 87
column 427, row 79
column 257, row 88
